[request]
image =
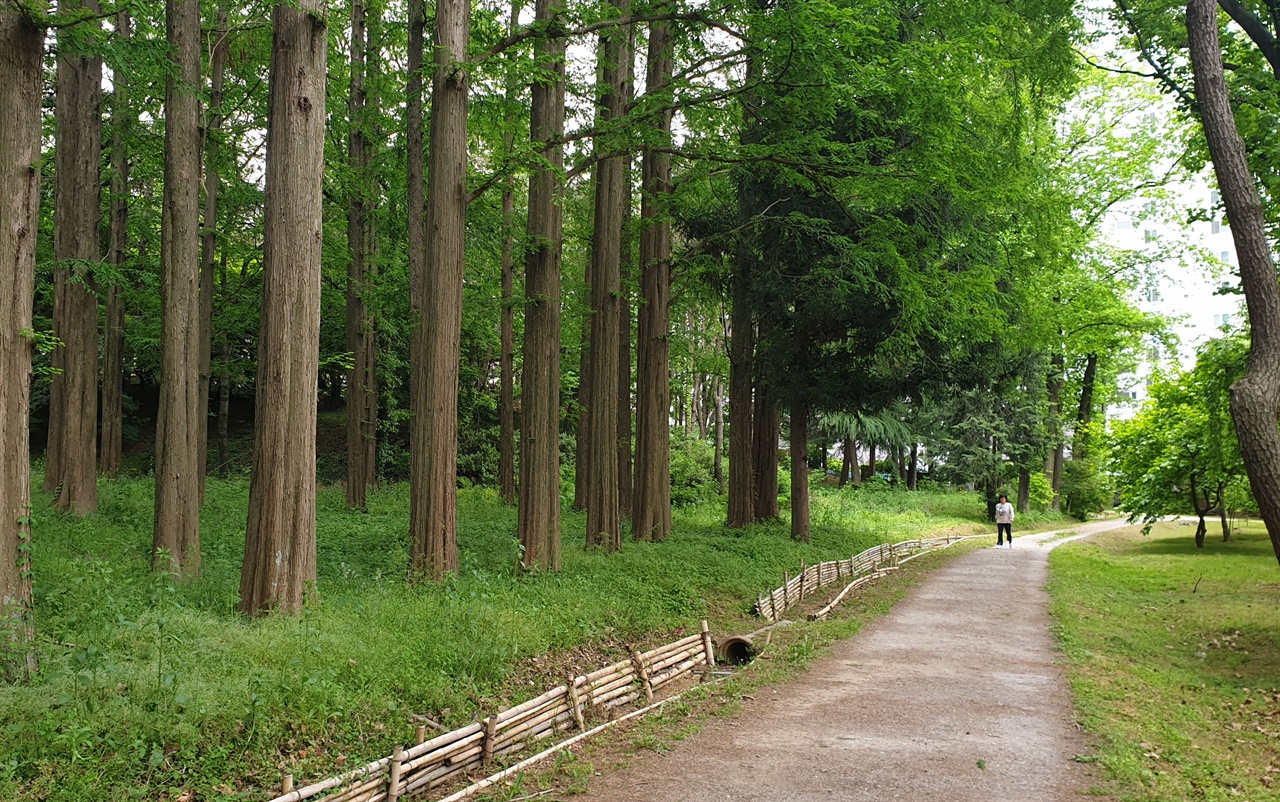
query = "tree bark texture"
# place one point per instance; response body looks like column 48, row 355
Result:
column 507, row 325
column 539, row 516
column 913, row 469
column 416, row 186
column 1053, row 464
column 433, row 509
column 768, row 430
column 581, row 459
column 112, row 435
column 604, row 522
column 362, row 385
column 718, row 467
column 1084, row 416
column 175, row 543
column 800, row 472
column 224, row 383
column 651, row 513
column 741, row 504
column 21, row 54
column 626, row 489
column 1255, row 397
column 73, row 413
column 1024, row 490
column 220, row 47
column 847, row 461
column 280, row 544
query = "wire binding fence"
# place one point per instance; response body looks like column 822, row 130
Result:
column 858, row 569
column 430, row 763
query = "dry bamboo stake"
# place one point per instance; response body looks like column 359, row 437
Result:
column 393, row 775
column 575, row 704
column 643, row 673
column 786, row 582
column 486, row 750
column 286, row 785
column 420, row 734
column 710, row 650
column 804, row 572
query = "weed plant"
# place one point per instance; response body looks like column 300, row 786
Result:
column 1175, row 660
column 153, row 688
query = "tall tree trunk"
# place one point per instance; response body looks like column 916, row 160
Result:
column 539, row 516
column 117, row 242
column 280, row 543
column 1024, row 490
column 741, row 504
column 871, row 461
column 1084, row 417
column 913, row 469
column 434, row 488
column 651, row 517
column 768, row 430
column 209, row 234
column 1053, row 464
column 581, row 459
column 21, row 54
column 1255, row 398
column 176, row 537
column 507, row 326
column 76, row 248
column 848, row 461
column 362, row 382
column 224, row 383
column 416, row 187
column 1226, row 523
column 604, row 522
column 800, row 472
column 718, row 469
column 625, row 486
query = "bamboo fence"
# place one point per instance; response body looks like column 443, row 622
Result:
column 857, row 570
column 430, row 763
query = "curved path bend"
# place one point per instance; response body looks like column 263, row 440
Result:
column 956, row 695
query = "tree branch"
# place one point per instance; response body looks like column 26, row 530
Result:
column 1145, row 49
column 1257, row 31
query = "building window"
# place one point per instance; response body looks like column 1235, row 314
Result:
column 1153, row 294
column 1226, row 257
column 1149, row 235
column 1214, row 198
column 1217, row 226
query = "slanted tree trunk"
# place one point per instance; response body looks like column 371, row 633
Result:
column 280, row 543
column 434, row 488
column 539, row 518
column 176, row 537
column 507, row 326
column 651, row 518
column 21, row 54
column 112, row 435
column 604, row 522
column 768, row 430
column 1255, row 397
column 73, row 411
column 1226, row 524
column 209, row 234
column 799, row 472
column 362, row 382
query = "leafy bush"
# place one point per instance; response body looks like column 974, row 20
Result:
column 693, row 477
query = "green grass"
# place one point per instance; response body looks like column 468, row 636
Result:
column 149, row 689
column 1174, row 660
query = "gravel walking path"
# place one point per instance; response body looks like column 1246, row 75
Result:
column 955, row 695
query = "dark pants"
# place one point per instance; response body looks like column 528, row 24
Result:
column 1003, row 531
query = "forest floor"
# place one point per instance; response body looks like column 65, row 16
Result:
column 958, row 693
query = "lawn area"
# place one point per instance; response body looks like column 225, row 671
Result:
column 1174, row 660
column 160, row 691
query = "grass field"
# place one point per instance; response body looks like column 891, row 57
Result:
column 159, row 691
column 1174, row 660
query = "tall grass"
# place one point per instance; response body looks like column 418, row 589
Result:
column 151, row 688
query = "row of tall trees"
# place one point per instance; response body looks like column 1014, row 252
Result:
column 804, row 209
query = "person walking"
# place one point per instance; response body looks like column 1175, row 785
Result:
column 1004, row 522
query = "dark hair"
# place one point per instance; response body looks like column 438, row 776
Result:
column 1003, row 497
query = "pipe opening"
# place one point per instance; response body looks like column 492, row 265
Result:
column 737, row 651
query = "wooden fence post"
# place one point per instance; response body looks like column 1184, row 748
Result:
column 786, row 585
column 393, row 774
column 710, row 651
column 420, row 734
column 642, row 671
column 490, row 731
column 575, row 703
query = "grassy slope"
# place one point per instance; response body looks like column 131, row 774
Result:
column 149, row 689
column 1175, row 660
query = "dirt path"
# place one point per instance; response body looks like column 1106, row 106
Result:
column 955, row 695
